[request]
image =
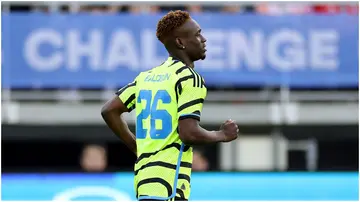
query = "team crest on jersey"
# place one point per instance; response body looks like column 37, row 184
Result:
column 183, row 187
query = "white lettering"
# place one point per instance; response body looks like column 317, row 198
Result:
column 324, row 49
column 148, row 49
column 92, row 49
column 122, row 51
column 246, row 49
column 32, row 50
column 284, row 50
column 215, row 50
column 294, row 55
column 91, row 191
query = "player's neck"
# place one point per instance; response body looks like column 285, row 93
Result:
column 183, row 58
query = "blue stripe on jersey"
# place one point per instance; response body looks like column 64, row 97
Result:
column 153, row 198
column 175, row 181
column 190, row 114
column 177, row 170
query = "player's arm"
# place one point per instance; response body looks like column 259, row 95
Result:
column 190, row 104
column 191, row 133
column 112, row 111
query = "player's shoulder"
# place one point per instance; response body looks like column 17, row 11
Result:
column 181, row 70
column 160, row 68
column 175, row 68
column 187, row 73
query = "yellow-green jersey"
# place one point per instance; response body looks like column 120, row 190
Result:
column 163, row 96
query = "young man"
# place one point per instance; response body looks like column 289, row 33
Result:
column 168, row 101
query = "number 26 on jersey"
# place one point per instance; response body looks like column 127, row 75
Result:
column 151, row 111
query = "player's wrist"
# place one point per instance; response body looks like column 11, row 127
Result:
column 221, row 137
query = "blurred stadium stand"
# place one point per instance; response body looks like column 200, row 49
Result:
column 154, row 7
column 284, row 128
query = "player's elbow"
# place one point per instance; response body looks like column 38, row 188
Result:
column 186, row 138
column 113, row 106
column 105, row 110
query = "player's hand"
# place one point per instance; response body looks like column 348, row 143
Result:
column 230, row 130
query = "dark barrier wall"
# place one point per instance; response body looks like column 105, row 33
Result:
column 58, row 148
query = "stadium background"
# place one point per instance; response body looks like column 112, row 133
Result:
column 287, row 72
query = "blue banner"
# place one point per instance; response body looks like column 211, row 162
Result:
column 205, row 186
column 95, row 51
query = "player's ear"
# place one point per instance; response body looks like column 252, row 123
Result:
column 179, row 43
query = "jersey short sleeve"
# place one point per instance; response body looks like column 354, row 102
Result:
column 127, row 95
column 191, row 99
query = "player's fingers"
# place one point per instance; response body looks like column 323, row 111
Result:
column 236, row 128
column 228, row 121
column 234, row 124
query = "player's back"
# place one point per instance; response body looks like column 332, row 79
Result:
column 163, row 167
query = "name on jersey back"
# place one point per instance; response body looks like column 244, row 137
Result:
column 157, row 77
